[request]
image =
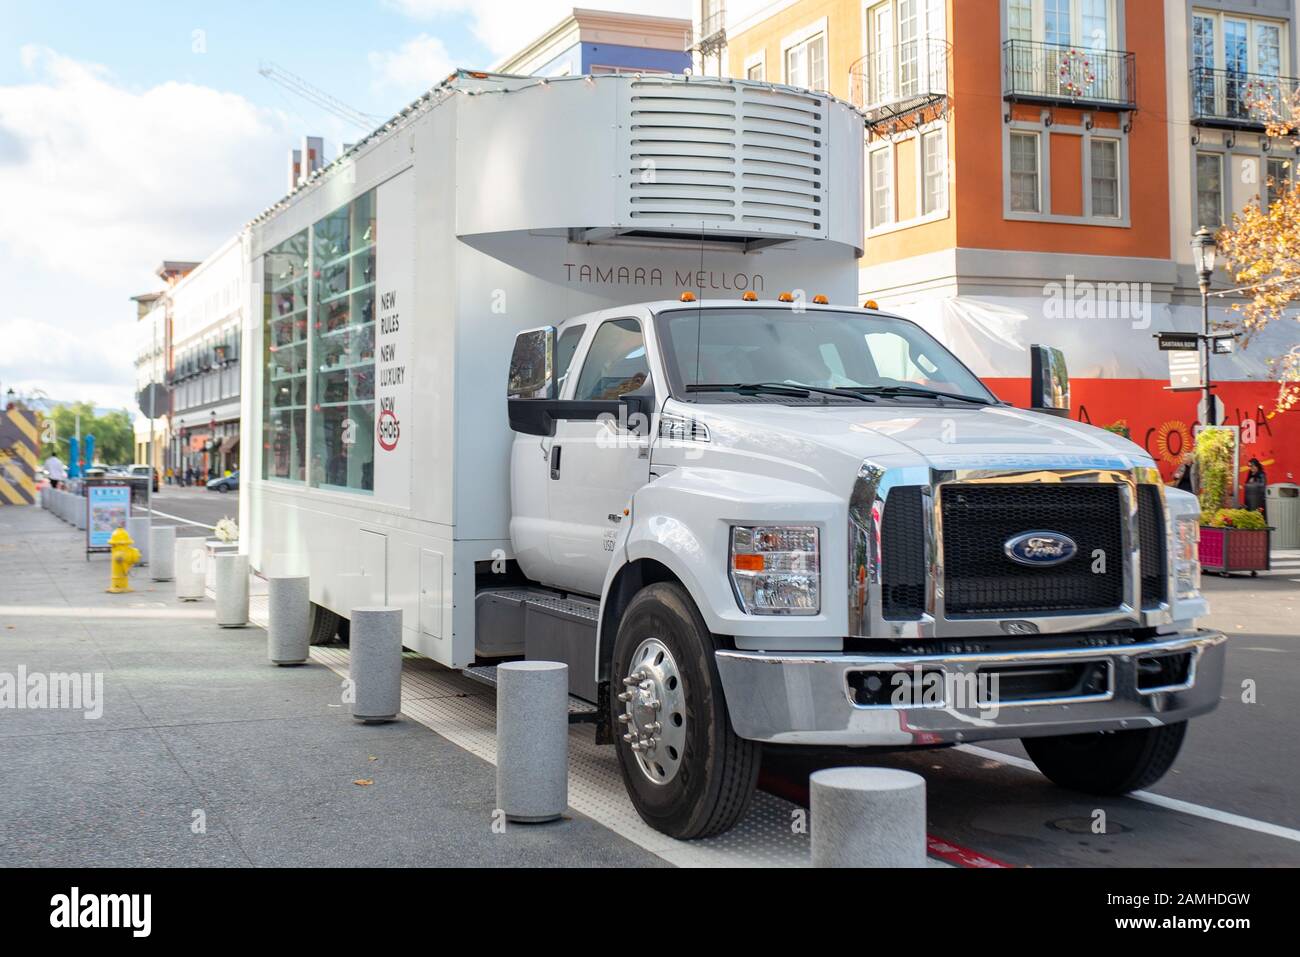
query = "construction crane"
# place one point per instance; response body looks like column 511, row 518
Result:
column 336, row 107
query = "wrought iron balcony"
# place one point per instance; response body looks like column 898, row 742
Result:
column 1053, row 74
column 1229, row 99
column 900, row 80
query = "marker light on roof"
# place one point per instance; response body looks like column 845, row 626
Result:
column 750, row 296
column 785, row 297
column 870, row 304
column 821, row 300
column 688, row 297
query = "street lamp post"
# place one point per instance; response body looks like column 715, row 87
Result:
column 1204, row 251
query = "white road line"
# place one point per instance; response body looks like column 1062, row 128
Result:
column 182, row 520
column 1159, row 800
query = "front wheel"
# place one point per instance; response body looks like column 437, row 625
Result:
column 1110, row 762
column 688, row 773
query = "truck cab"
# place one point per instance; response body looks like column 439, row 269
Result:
column 807, row 524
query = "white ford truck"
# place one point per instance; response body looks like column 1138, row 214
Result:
column 532, row 375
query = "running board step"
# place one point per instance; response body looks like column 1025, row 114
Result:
column 540, row 625
column 579, row 711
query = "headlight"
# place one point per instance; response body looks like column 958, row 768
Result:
column 1187, row 561
column 776, row 569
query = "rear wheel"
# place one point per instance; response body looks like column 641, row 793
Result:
column 324, row 625
column 689, row 775
column 1111, row 762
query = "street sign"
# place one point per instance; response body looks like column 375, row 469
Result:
column 1224, row 345
column 1185, row 370
column 1219, row 412
column 1178, row 341
column 153, row 400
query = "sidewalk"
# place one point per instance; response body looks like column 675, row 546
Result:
column 205, row 754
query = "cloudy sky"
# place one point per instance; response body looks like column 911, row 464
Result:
column 139, row 131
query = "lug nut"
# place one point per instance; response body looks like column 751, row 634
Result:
column 628, row 738
column 624, row 718
column 626, row 696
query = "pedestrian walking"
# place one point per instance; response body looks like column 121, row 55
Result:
column 54, row 468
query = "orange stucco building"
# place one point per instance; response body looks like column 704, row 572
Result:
column 1035, row 170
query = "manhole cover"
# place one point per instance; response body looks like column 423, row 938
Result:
column 1088, row 825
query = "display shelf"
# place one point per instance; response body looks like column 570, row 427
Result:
column 345, row 293
column 346, row 328
column 289, row 315
column 346, row 256
column 362, row 364
column 288, row 283
column 346, row 402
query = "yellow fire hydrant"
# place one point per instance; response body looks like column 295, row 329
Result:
column 124, row 555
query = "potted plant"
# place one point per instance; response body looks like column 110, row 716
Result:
column 1234, row 540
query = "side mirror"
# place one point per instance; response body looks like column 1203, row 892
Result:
column 1049, row 381
column 532, row 365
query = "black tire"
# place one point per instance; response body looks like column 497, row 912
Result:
column 324, row 625
column 713, row 786
column 1108, row 763
column 223, row 489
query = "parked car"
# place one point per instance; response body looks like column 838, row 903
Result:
column 139, row 475
column 224, row 483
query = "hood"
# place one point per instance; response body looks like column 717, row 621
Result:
column 956, row 436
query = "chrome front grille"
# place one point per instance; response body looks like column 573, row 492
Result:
column 927, row 551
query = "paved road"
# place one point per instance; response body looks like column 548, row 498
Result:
column 1238, row 760
column 195, row 510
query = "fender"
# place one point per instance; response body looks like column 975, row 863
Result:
column 683, row 521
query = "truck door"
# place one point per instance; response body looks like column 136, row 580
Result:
column 595, row 467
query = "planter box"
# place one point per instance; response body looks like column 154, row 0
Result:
column 1226, row 550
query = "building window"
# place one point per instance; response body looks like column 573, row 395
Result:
column 284, row 379
column 882, row 198
column 1278, row 180
column 1209, row 190
column 1104, row 160
column 1235, row 59
column 934, row 171
column 1025, row 173
column 1020, row 19
column 805, row 63
column 756, row 68
column 343, row 348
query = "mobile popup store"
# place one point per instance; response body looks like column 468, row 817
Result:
column 573, row 370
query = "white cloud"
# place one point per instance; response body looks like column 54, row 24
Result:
column 504, row 26
column 105, row 182
column 413, row 67
column 101, row 183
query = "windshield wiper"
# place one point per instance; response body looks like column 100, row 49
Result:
column 919, row 391
column 777, row 388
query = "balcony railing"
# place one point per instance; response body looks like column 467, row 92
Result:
column 1240, row 101
column 899, row 80
column 1071, row 76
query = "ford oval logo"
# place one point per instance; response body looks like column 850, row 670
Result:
column 1040, row 549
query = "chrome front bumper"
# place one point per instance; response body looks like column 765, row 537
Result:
column 806, row 698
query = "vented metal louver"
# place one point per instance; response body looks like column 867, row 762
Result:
column 726, row 154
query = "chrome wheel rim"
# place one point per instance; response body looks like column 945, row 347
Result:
column 654, row 712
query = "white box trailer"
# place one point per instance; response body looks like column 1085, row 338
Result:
column 495, row 204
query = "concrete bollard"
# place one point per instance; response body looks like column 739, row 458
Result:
column 376, row 663
column 162, row 549
column 188, row 568
column 867, row 817
column 232, row 590
column 288, row 632
column 138, row 529
column 532, row 740
column 79, row 512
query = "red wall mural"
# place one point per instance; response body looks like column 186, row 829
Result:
column 1162, row 421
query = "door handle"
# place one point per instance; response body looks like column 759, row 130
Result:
column 555, row 461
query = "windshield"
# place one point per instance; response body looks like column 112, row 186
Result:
column 822, row 349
